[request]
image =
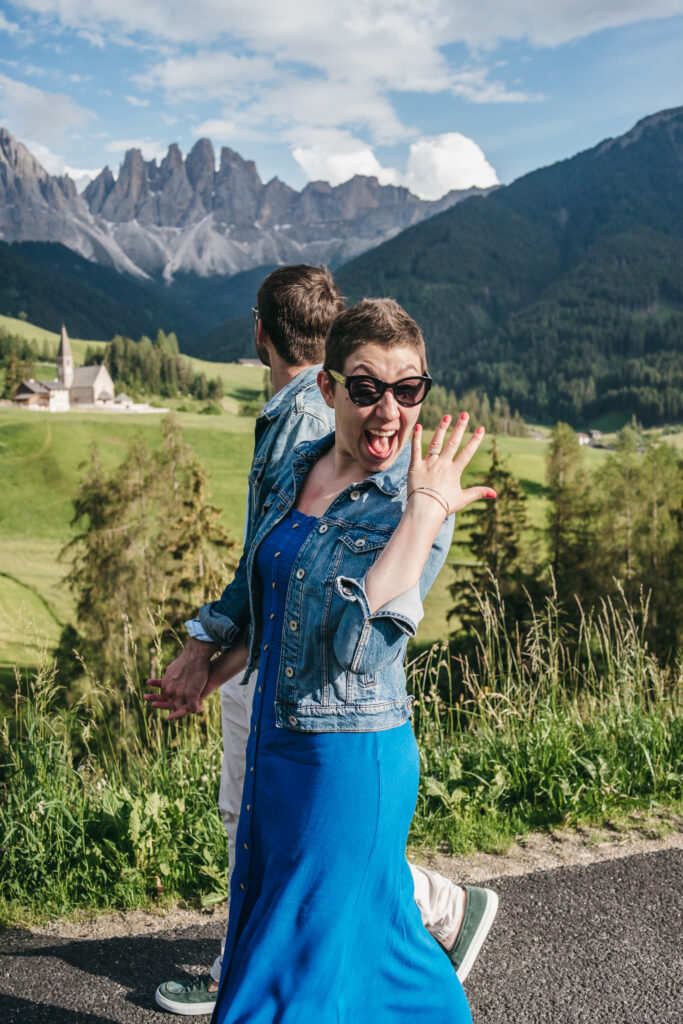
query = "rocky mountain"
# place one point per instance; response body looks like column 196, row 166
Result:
column 184, row 216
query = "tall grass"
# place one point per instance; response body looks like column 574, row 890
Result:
column 545, row 727
column 537, row 729
column 95, row 813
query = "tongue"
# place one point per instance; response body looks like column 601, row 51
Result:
column 379, row 446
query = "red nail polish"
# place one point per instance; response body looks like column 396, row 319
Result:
column 479, row 430
column 464, row 415
column 491, row 494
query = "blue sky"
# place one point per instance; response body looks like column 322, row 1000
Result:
column 433, row 94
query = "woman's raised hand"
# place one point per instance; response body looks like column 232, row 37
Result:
column 438, row 474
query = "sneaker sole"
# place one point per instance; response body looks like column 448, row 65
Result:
column 479, row 936
column 184, row 1009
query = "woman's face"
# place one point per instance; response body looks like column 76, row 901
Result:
column 372, row 436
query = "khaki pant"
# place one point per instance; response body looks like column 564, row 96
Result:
column 441, row 903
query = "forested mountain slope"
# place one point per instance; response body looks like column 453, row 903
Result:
column 564, row 291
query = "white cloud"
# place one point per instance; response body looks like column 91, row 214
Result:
column 435, row 164
column 151, row 149
column 135, row 101
column 31, row 113
column 338, row 157
column 270, row 25
column 8, row 26
column 56, row 165
column 444, row 162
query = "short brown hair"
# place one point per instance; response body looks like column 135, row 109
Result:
column 297, row 305
column 380, row 321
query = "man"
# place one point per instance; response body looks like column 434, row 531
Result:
column 295, row 307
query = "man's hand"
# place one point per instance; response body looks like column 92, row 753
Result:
column 184, row 681
column 214, row 673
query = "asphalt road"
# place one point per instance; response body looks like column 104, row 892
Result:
column 596, row 944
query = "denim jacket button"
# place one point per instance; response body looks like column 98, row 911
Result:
column 354, row 495
column 292, row 720
column 324, row 528
column 293, row 626
column 289, row 671
column 360, row 543
column 347, row 591
column 300, row 573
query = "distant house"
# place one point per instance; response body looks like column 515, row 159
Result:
column 74, row 386
column 38, row 394
column 584, row 440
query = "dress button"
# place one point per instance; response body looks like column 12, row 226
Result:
column 324, row 528
column 276, row 555
column 293, row 626
column 354, row 495
column 272, row 616
column 248, row 807
column 289, row 671
column 252, row 768
column 300, row 573
column 360, row 543
column 292, row 720
column 273, row 584
column 242, row 885
column 265, row 647
column 295, row 526
column 260, row 689
column 245, row 846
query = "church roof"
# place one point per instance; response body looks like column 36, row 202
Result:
column 55, row 385
column 85, row 376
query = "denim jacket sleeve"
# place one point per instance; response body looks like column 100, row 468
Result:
column 225, row 620
column 366, row 641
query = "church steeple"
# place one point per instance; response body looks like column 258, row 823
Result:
column 65, row 361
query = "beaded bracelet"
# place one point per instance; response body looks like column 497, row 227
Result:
column 431, row 492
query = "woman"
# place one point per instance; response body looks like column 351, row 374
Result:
column 323, row 922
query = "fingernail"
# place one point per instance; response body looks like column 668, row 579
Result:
column 491, row 494
column 464, row 415
column 446, row 419
column 479, row 430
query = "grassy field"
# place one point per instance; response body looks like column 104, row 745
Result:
column 41, row 456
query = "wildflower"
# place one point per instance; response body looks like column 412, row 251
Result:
column 40, row 807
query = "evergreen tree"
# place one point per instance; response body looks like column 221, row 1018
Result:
column 148, row 539
column 503, row 556
column 570, row 518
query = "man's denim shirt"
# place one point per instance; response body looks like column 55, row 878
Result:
column 341, row 667
column 296, row 413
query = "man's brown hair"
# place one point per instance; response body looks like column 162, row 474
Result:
column 297, row 305
column 380, row 321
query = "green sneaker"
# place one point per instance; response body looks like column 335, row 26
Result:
column 481, row 907
column 190, row 997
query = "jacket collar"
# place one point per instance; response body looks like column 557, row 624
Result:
column 390, row 481
column 286, row 396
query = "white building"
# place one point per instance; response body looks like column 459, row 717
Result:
column 74, row 386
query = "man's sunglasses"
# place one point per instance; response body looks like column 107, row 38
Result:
column 366, row 390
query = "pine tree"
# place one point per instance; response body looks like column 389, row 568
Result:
column 570, row 518
column 503, row 556
column 148, row 539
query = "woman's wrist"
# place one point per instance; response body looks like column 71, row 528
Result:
column 431, row 505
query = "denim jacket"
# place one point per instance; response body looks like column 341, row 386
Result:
column 341, row 667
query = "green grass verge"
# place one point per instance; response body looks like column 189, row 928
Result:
column 121, row 812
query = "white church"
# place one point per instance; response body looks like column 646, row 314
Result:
column 75, row 386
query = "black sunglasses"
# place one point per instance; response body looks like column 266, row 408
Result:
column 366, row 390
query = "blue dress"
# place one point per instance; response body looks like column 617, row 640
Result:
column 323, row 927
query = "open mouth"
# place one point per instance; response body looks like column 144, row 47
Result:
column 381, row 443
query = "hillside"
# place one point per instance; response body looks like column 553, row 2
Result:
column 564, row 291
